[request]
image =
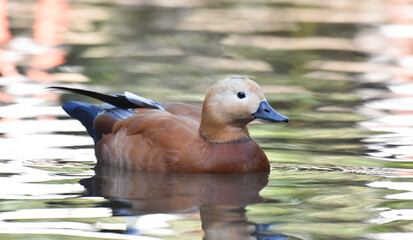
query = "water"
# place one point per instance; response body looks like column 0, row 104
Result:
column 341, row 70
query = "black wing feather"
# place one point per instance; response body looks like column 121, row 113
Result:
column 119, row 101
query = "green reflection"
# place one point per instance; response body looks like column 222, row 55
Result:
column 174, row 51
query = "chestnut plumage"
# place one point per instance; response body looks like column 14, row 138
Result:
column 137, row 133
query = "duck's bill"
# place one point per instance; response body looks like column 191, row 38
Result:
column 266, row 112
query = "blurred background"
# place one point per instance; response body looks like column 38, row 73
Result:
column 342, row 71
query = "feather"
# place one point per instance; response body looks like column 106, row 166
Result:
column 85, row 113
column 142, row 102
column 127, row 100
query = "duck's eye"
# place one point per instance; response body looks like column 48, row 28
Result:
column 241, row 95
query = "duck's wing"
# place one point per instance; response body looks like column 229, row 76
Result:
column 150, row 140
column 183, row 109
column 126, row 100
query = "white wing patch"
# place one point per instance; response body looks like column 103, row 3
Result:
column 143, row 102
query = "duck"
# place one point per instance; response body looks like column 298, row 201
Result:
column 132, row 132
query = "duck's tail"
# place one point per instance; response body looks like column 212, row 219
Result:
column 85, row 113
column 117, row 106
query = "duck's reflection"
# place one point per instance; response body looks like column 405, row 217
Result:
column 220, row 199
column 153, row 192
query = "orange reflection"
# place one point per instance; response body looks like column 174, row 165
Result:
column 37, row 56
column 51, row 21
column 6, row 68
column 400, row 34
column 401, row 37
column 48, row 30
column 4, row 23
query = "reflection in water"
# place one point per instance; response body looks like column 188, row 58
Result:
column 392, row 112
column 229, row 222
column 45, row 50
column 220, row 199
column 149, row 192
column 341, row 69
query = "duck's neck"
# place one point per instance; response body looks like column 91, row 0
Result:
column 220, row 134
column 216, row 131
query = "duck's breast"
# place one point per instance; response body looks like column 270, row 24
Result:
column 244, row 157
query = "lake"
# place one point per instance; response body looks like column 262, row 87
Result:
column 342, row 71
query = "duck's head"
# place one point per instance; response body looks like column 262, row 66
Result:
column 232, row 103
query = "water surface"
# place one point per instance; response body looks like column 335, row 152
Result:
column 340, row 70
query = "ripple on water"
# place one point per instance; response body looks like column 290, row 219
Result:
column 341, row 168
